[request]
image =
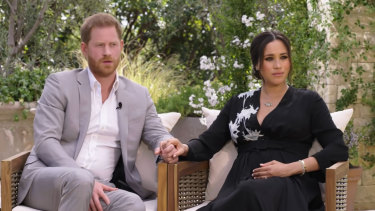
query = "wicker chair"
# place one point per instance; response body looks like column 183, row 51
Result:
column 187, row 182
column 11, row 170
column 180, row 186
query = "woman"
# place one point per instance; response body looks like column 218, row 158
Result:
column 273, row 129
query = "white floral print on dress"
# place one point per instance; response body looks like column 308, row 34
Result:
column 241, row 118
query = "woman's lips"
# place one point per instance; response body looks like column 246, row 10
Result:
column 278, row 74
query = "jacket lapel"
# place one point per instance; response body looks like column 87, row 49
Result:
column 123, row 115
column 84, row 107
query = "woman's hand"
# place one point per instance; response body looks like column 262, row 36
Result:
column 170, row 150
column 275, row 169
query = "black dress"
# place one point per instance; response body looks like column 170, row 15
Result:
column 286, row 135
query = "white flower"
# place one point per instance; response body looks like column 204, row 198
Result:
column 246, row 94
column 236, row 41
column 246, row 43
column 246, row 113
column 244, row 18
column 247, row 21
column 213, row 99
column 197, row 107
column 206, row 63
column 223, row 89
column 233, row 127
column 63, row 17
column 238, row 66
column 253, row 83
column 191, row 98
column 161, row 24
column 252, row 135
column 260, row 16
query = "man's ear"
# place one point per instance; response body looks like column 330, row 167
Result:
column 84, row 49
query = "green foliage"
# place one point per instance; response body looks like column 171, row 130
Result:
column 177, row 101
column 348, row 97
column 351, row 139
column 309, row 49
column 170, row 28
column 22, row 85
column 369, row 160
column 53, row 42
column 346, row 49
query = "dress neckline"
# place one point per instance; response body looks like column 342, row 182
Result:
column 282, row 101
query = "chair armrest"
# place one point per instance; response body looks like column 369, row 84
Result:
column 336, row 186
column 11, row 170
column 183, row 186
column 162, row 186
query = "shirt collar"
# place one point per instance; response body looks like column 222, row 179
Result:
column 93, row 81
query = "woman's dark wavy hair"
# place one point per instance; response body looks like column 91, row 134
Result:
column 259, row 44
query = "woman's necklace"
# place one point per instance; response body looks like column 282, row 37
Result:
column 270, row 104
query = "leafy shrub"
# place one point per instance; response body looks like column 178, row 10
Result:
column 179, row 101
column 23, row 85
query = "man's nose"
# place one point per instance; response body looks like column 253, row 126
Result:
column 107, row 50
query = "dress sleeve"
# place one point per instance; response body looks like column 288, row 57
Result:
column 213, row 139
column 327, row 134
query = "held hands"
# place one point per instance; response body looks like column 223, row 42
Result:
column 170, row 149
column 97, row 193
column 273, row 169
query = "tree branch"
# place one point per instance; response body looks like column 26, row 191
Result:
column 11, row 27
column 18, row 31
column 32, row 30
column 11, row 7
column 131, row 23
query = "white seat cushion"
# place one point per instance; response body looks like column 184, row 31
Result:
column 151, row 205
column 23, row 208
column 341, row 119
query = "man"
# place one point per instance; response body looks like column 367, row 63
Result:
column 87, row 121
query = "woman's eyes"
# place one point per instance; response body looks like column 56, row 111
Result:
column 268, row 58
column 271, row 58
column 284, row 57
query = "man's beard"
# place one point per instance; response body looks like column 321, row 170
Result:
column 101, row 69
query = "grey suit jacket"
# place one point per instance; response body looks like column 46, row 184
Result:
column 62, row 119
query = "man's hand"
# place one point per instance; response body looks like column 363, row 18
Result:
column 97, row 193
column 170, row 150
